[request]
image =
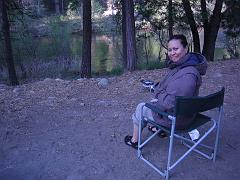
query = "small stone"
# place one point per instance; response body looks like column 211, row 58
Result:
column 31, row 92
column 18, row 90
column 58, row 79
column 81, row 79
column 51, row 100
column 18, row 99
column 103, row 82
column 51, row 97
column 47, row 79
column 113, row 135
column 116, row 116
column 217, row 75
column 102, row 102
column 82, row 104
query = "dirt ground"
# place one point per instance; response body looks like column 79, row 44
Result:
column 74, row 130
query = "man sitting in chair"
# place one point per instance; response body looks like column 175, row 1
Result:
column 183, row 79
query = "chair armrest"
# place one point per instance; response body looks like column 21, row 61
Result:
column 159, row 111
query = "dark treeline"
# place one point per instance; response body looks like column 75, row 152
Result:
column 183, row 16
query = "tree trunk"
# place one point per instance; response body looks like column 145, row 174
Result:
column 170, row 18
column 124, row 43
column 57, row 7
column 38, row 7
column 8, row 46
column 62, row 7
column 87, row 40
column 193, row 26
column 204, row 14
column 210, row 34
column 130, row 35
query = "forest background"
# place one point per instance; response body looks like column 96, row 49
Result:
column 83, row 38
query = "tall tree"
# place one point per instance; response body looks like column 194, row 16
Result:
column 87, row 39
column 192, row 23
column 170, row 18
column 128, row 6
column 124, row 40
column 160, row 14
column 38, row 7
column 57, row 7
column 211, row 26
column 8, row 46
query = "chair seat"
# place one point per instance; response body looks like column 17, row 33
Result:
column 198, row 121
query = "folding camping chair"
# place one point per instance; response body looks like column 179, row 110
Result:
column 185, row 106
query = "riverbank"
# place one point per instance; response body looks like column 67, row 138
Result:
column 74, row 129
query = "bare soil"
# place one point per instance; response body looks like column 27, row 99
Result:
column 74, row 130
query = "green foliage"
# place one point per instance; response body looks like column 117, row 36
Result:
column 113, row 72
column 156, row 13
column 59, row 36
column 231, row 20
column 24, row 46
column 147, row 44
column 14, row 10
column 231, row 26
column 232, row 46
column 74, row 4
column 49, row 5
column 100, row 63
column 152, row 65
column 104, row 25
column 148, row 47
column 152, row 11
column 57, row 43
column 116, row 71
column 74, row 9
column 97, row 8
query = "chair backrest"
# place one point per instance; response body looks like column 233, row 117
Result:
column 185, row 106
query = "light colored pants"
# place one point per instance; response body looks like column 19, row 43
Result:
column 146, row 112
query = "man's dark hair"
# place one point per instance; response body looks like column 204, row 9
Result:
column 180, row 37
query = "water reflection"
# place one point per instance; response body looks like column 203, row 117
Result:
column 61, row 55
column 105, row 54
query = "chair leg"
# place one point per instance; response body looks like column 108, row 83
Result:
column 139, row 152
column 139, row 137
column 217, row 134
column 216, row 145
column 170, row 149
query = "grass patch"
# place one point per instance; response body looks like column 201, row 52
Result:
column 114, row 72
column 151, row 65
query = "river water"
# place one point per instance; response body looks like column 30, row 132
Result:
column 60, row 56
